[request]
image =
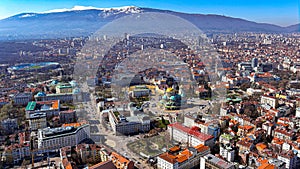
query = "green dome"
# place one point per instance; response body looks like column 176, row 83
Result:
column 54, row 82
column 173, row 98
column 165, row 97
column 76, row 91
column 40, row 94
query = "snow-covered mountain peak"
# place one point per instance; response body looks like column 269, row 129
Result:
column 126, row 9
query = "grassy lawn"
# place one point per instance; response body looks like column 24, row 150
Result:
column 150, row 146
column 163, row 125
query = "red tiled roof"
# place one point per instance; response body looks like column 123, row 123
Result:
column 192, row 131
column 104, row 165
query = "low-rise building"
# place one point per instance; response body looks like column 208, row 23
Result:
column 270, row 100
column 283, row 133
column 64, row 88
column 68, row 116
column 140, row 91
column 92, row 153
column 63, row 97
column 22, row 98
column 121, row 162
column 244, row 145
column 290, row 158
column 176, row 158
column 104, row 165
column 227, row 152
column 213, row 162
column 9, row 125
column 51, row 108
column 14, row 154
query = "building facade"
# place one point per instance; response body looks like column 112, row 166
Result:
column 22, row 98
column 128, row 125
column 68, row 135
column 37, row 121
column 177, row 158
column 212, row 162
column 191, row 136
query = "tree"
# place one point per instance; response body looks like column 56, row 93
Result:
column 245, row 86
column 7, row 141
column 163, row 120
column 52, row 89
column 251, row 111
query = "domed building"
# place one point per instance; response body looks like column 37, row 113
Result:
column 54, row 83
column 171, row 100
column 73, row 83
column 41, row 94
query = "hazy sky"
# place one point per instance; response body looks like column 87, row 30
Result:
column 280, row 12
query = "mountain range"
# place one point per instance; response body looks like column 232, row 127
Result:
column 82, row 21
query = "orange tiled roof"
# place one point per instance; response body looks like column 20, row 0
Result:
column 175, row 148
column 261, row 146
column 73, row 124
column 120, row 158
column 183, row 155
column 246, row 127
column 55, row 104
column 277, row 141
column 266, row 166
column 201, row 148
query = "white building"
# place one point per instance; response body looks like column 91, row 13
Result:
column 298, row 112
column 290, row 158
column 68, row 135
column 270, row 100
column 295, row 68
column 128, row 125
column 227, row 152
column 191, row 136
column 213, row 162
column 140, row 91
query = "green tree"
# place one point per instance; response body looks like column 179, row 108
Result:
column 245, row 86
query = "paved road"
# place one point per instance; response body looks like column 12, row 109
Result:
column 100, row 135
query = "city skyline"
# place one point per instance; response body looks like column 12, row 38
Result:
column 273, row 12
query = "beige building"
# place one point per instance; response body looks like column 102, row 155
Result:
column 64, row 88
column 270, row 100
column 37, row 121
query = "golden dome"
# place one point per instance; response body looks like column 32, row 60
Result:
column 169, row 90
